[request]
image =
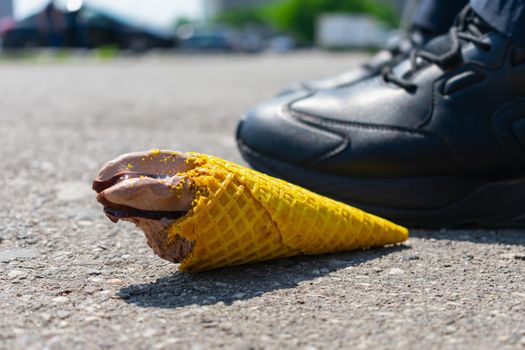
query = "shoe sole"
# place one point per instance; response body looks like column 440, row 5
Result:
column 480, row 204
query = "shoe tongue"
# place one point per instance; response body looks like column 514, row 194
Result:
column 467, row 22
column 444, row 46
column 439, row 45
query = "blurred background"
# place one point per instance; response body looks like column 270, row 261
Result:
column 247, row 26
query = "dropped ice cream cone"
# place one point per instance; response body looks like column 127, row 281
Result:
column 206, row 213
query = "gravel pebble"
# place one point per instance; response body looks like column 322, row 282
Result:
column 60, row 300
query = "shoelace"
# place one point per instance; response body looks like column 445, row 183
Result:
column 398, row 51
column 469, row 28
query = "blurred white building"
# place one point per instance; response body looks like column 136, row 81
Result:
column 341, row 31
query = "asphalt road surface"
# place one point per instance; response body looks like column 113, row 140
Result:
column 73, row 280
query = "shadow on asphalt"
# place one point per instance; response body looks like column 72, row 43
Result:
column 483, row 236
column 243, row 282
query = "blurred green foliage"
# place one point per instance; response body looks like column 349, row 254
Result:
column 240, row 17
column 298, row 17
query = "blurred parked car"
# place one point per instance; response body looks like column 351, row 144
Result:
column 281, row 44
column 220, row 38
column 192, row 39
column 86, row 27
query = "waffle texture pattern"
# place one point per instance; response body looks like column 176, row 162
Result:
column 242, row 216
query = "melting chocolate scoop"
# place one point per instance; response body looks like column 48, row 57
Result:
column 115, row 211
column 151, row 190
column 150, row 185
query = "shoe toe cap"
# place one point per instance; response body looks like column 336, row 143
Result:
column 271, row 130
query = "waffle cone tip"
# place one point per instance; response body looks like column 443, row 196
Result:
column 242, row 216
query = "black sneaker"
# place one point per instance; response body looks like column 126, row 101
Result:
column 437, row 141
column 397, row 50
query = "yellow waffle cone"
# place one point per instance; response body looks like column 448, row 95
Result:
column 242, row 216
